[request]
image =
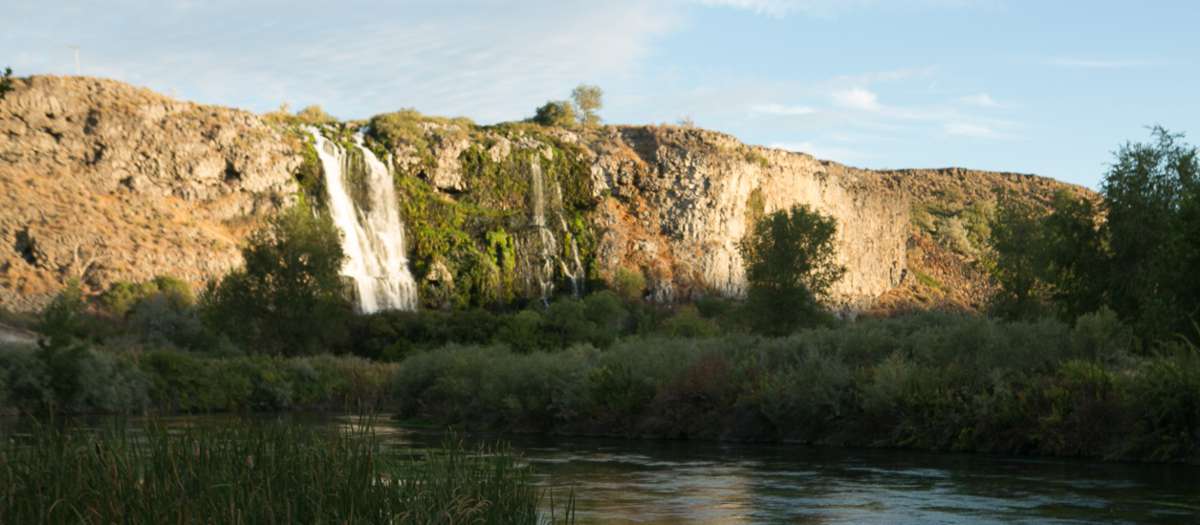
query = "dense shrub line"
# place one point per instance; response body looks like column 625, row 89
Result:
column 930, row 381
column 85, row 380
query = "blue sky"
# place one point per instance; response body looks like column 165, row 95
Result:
column 1046, row 87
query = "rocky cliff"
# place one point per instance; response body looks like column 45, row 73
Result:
column 103, row 181
column 107, row 182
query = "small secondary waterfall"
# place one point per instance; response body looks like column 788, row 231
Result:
column 545, row 236
column 373, row 238
column 575, row 271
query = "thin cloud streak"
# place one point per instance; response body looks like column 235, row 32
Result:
column 781, row 110
column 1081, row 63
column 857, row 98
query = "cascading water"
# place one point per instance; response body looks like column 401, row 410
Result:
column 373, row 238
column 575, row 271
column 545, row 236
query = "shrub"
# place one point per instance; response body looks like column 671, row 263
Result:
column 1084, row 410
column 159, row 322
column 1165, row 399
column 522, row 331
column 804, row 401
column 629, row 284
column 559, row 113
column 687, row 322
column 26, row 378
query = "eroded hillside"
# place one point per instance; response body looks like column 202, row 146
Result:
column 107, row 182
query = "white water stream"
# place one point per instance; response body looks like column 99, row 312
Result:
column 373, row 239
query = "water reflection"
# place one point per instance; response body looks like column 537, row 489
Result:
column 682, row 482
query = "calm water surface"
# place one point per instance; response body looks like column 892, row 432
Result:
column 666, row 482
column 624, row 481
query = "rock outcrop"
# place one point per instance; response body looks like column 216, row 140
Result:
column 684, row 198
column 103, row 181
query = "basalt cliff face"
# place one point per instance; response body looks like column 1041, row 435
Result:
column 102, row 181
column 105, row 182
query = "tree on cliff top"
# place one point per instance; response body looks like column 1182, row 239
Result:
column 588, row 100
column 6, row 83
column 556, row 113
column 790, row 268
column 289, row 298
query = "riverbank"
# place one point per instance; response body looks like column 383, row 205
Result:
column 929, row 382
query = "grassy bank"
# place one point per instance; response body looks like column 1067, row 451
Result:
column 254, row 474
column 931, row 381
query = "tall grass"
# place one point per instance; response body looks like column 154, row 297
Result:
column 272, row 473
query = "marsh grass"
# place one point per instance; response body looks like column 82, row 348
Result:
column 257, row 473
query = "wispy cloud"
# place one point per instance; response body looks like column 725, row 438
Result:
column 780, row 8
column 496, row 64
column 856, row 98
column 968, row 130
column 781, row 110
column 1088, row 63
column 982, row 100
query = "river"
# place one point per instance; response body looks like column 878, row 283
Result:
column 668, row 482
column 665, row 482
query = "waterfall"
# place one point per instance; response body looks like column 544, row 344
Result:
column 372, row 238
column 545, row 236
column 575, row 271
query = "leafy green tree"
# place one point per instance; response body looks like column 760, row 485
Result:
column 289, row 298
column 1152, row 208
column 6, row 83
column 1048, row 262
column 1018, row 268
column 790, row 266
column 556, row 113
column 588, row 100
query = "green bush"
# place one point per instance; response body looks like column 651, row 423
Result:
column 687, row 322
column 70, row 379
column 26, row 379
column 1164, row 397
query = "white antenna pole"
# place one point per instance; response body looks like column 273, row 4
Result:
column 77, row 68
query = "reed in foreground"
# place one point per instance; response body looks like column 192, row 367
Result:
column 255, row 474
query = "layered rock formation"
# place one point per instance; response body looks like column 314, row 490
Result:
column 106, row 182
column 103, row 181
column 682, row 199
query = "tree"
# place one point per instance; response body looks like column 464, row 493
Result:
column 1048, row 262
column 588, row 101
column 1137, row 254
column 6, row 83
column 1018, row 265
column 790, row 267
column 1152, row 205
column 556, row 113
column 289, row 298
